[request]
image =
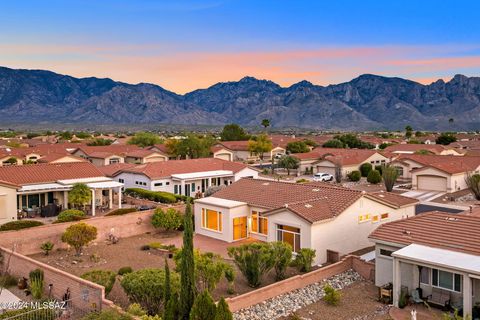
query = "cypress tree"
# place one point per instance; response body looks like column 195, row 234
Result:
column 223, row 311
column 204, row 307
column 170, row 312
column 187, row 267
column 167, row 290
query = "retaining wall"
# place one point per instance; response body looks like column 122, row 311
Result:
column 365, row 269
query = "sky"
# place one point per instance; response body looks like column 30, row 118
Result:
column 186, row 45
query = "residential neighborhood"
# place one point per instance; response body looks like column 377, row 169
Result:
column 239, row 160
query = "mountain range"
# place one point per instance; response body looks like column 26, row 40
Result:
column 368, row 102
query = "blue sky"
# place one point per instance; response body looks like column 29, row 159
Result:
column 183, row 45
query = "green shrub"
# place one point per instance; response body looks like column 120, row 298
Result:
column 46, row 247
column 107, row 315
column 104, row 278
column 331, row 296
column 283, row 257
column 203, row 308
column 136, row 310
column 380, row 168
column 79, row 235
column 20, row 224
column 7, row 281
column 71, row 215
column 169, row 219
column 146, row 287
column 304, row 259
column 122, row 211
column 365, row 169
column 254, row 260
column 230, row 277
column 302, row 181
column 374, row 177
column 36, row 283
column 354, row 175
column 157, row 196
column 223, row 311
column 124, row 270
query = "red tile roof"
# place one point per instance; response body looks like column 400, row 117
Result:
column 113, row 149
column 163, row 169
column 456, row 232
column 50, row 157
column 112, row 169
column 312, row 201
column 49, row 172
column 344, row 156
column 433, row 148
column 449, row 164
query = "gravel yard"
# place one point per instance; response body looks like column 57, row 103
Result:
column 358, row 302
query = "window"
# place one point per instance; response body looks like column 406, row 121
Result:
column 167, row 183
column 386, row 253
column 121, row 180
column 424, row 275
column 193, row 187
column 175, row 189
column 384, row 216
column 114, row 160
column 158, row 184
column 364, row 218
column 399, row 170
column 211, row 219
column 290, row 235
column 446, row 280
column 259, row 223
column 375, row 219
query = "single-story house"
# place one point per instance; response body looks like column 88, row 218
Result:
column 59, row 158
column 34, row 187
column 238, row 151
column 144, row 156
column 183, row 177
column 317, row 215
column 325, row 160
column 437, row 173
column 434, row 149
column 437, row 252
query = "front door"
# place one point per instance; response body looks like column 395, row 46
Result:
column 239, row 228
column 187, row 189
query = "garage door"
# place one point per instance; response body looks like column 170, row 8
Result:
column 434, row 183
column 325, row 169
column 223, row 156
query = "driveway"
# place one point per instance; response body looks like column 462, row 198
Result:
column 423, row 195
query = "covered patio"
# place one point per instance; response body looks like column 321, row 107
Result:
column 48, row 199
column 445, row 278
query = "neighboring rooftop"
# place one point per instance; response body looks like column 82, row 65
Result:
column 49, row 172
column 164, row 169
column 344, row 156
column 455, row 232
column 449, row 164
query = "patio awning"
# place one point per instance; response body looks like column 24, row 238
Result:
column 104, row 185
column 43, row 187
column 202, row 175
column 440, row 258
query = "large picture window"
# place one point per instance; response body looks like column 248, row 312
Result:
column 290, row 235
column 446, row 280
column 259, row 223
column 211, row 219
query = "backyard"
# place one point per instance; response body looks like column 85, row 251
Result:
column 128, row 253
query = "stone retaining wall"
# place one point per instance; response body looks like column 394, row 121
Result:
column 365, row 269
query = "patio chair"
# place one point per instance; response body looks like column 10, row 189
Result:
column 415, row 296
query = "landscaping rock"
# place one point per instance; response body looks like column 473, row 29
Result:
column 285, row 304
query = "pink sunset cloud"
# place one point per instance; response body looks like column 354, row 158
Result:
column 184, row 71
